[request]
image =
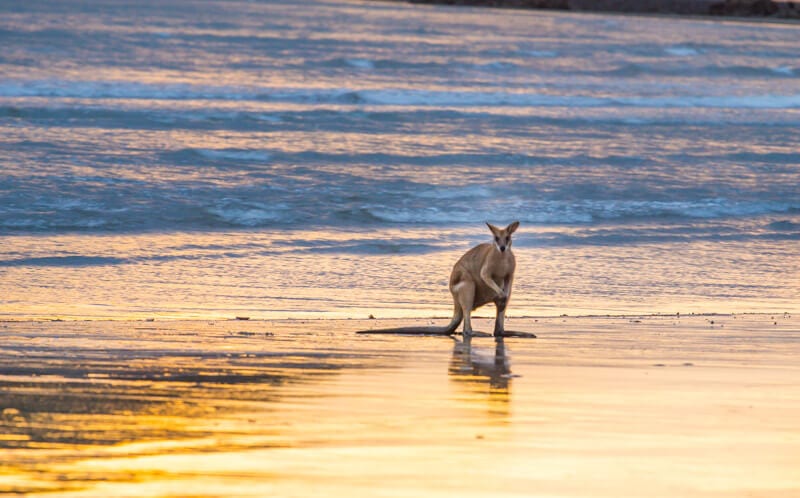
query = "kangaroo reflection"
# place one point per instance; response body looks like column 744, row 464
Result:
column 483, row 374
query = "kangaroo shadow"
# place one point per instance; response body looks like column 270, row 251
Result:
column 483, row 374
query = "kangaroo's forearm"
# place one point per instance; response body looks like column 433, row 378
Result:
column 487, row 279
column 507, row 284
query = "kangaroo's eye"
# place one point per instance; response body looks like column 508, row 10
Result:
column 497, row 239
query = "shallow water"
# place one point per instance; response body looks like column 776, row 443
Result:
column 304, row 274
column 260, row 157
column 662, row 406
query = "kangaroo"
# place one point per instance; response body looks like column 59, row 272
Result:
column 482, row 275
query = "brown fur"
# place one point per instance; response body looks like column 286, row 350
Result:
column 484, row 274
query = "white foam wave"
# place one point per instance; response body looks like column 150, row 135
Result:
column 247, row 215
column 393, row 97
column 462, row 214
column 446, row 193
column 724, row 101
column 364, row 64
column 235, row 154
column 704, row 208
column 783, row 70
column 437, row 212
column 427, row 215
column 268, row 118
column 468, row 99
column 580, row 212
column 542, row 54
column 495, row 66
column 681, row 51
column 106, row 89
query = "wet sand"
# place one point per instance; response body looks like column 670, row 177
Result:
column 696, row 406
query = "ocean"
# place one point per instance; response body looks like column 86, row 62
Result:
column 280, row 159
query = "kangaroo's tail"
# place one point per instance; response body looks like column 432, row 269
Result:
column 449, row 329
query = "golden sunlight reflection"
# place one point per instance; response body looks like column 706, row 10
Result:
column 290, row 408
column 483, row 376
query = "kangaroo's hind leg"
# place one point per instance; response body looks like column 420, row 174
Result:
column 501, row 303
column 464, row 296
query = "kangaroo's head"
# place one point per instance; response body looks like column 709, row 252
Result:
column 502, row 236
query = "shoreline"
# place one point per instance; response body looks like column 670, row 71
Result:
column 409, row 319
column 742, row 10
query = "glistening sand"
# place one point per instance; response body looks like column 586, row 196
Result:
column 690, row 406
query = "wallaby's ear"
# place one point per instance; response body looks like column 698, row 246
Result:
column 493, row 228
column 512, row 227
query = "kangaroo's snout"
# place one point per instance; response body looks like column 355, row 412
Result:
column 502, row 248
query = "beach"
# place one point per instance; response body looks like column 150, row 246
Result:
column 691, row 406
column 202, row 203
